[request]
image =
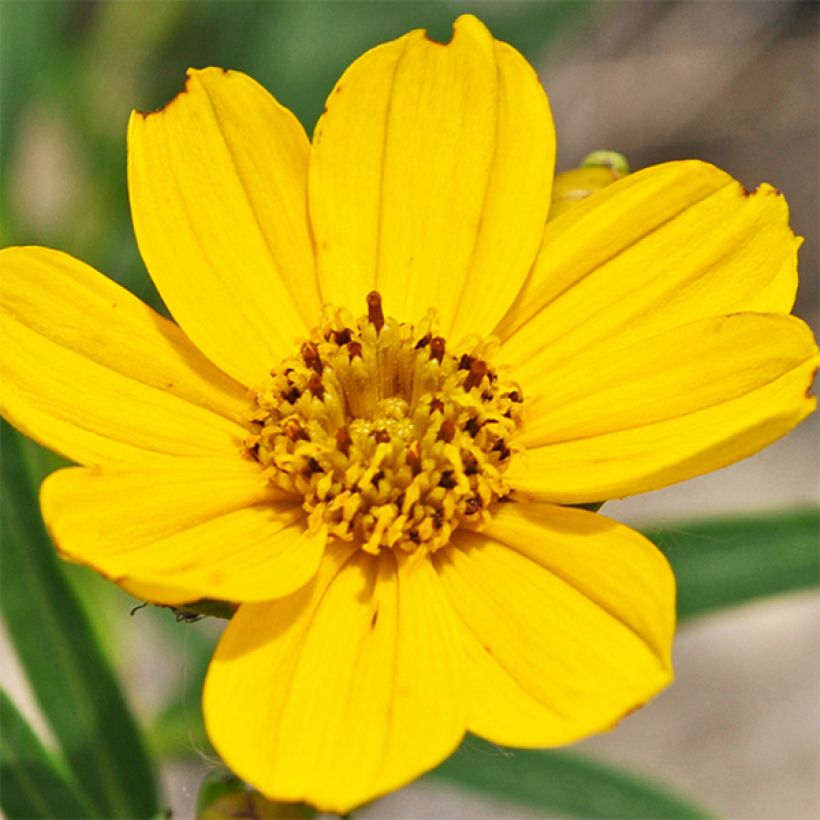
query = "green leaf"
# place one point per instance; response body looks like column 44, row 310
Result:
column 33, row 786
column 560, row 783
column 729, row 561
column 74, row 686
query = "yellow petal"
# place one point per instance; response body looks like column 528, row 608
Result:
column 91, row 372
column 624, row 419
column 183, row 529
column 567, row 618
column 218, row 181
column 344, row 690
column 659, row 248
column 430, row 178
column 626, row 384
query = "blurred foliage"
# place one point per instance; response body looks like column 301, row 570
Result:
column 100, row 748
column 71, row 72
column 561, row 783
column 725, row 562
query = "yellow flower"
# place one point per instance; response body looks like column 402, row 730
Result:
column 389, row 504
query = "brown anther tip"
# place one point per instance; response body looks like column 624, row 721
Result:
column 375, row 315
column 342, row 337
column 382, row 436
column 437, row 347
column 447, row 430
column 343, row 440
column 501, row 448
column 310, row 356
column 423, row 341
column 472, row 426
column 315, row 386
column 413, row 458
column 478, row 369
column 472, row 505
column 291, row 396
column 354, row 349
column 294, row 431
column 447, row 480
column 436, row 405
column 465, row 362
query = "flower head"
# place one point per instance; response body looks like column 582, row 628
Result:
column 388, row 381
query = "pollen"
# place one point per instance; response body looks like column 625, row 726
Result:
column 393, row 439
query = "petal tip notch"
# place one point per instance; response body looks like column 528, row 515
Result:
column 191, row 75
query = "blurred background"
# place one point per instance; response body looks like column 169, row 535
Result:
column 734, row 83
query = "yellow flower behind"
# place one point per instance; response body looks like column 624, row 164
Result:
column 388, row 379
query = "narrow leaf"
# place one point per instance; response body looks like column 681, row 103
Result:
column 33, row 787
column 559, row 783
column 729, row 561
column 74, row 686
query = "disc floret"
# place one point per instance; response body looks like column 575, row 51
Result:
column 391, row 438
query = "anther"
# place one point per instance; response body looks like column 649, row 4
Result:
column 437, row 348
column 447, row 480
column 375, row 315
column 293, row 430
column 343, row 337
column 413, row 458
column 447, row 430
column 343, row 440
column 354, row 349
column 472, row 426
column 470, row 464
column 465, row 362
column 473, row 505
column 423, row 342
column 382, row 436
column 310, row 356
column 436, row 405
column 501, row 448
column 316, row 387
column 291, row 396
column 477, row 371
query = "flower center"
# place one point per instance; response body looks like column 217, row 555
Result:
column 391, row 438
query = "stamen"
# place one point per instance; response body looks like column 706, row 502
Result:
column 478, row 369
column 343, row 440
column 310, row 356
column 447, row 430
column 406, row 442
column 374, row 310
column 316, row 387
